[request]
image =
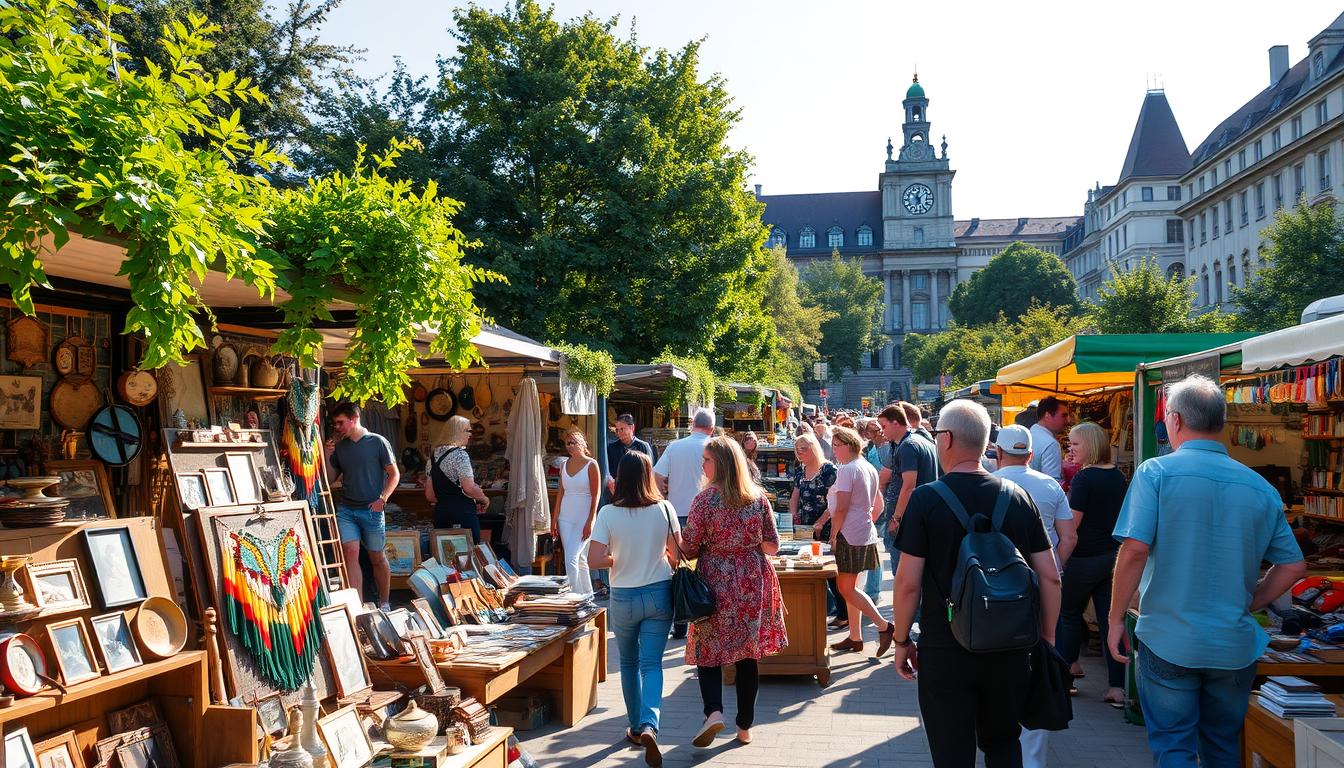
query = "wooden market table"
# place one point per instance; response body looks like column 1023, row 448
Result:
column 492, row 752
column 1270, row 738
column 804, row 594
column 569, row 665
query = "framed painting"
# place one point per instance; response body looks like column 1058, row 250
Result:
column 343, row 734
column 19, row 752
column 86, row 485
column 425, row 660
column 344, row 652
column 191, row 490
column 151, row 750
column 116, row 567
column 402, row 548
column 271, row 714
column 21, row 402
column 59, row 751
column 182, row 388
column 58, row 586
column 450, row 542
column 72, row 651
column 246, row 485
column 113, row 635
column 219, row 484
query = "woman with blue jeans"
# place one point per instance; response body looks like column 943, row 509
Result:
column 634, row 536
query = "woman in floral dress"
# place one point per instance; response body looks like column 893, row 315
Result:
column 731, row 529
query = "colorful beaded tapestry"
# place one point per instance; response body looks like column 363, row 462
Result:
column 272, row 595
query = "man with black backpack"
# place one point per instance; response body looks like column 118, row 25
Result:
column 975, row 548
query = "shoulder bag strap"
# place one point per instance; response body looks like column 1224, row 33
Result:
column 1001, row 504
column 953, row 503
column 681, row 558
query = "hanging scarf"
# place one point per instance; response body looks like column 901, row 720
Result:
column 300, row 435
column 272, row 595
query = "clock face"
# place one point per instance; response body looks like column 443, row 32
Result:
column 918, row 199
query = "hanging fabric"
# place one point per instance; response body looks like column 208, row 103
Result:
column 272, row 595
column 300, row 435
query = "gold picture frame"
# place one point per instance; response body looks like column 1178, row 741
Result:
column 72, row 651
column 58, row 586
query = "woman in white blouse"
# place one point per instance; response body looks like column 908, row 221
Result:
column 577, row 504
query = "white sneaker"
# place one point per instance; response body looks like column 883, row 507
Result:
column 713, row 724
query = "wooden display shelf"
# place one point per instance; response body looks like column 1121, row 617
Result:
column 1323, row 437
column 256, row 393
column 1311, row 491
column 1326, row 518
column 1270, row 738
column 51, row 697
column 221, row 446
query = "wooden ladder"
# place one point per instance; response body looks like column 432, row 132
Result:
column 326, row 536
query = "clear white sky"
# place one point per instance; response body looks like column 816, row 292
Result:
column 1038, row 99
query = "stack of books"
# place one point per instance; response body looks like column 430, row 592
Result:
column 540, row 585
column 1289, row 697
column 567, row 610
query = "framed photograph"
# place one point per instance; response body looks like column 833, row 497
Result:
column 152, row 750
column 191, row 490
column 219, row 483
column 116, row 568
column 20, row 402
column 484, row 554
column 271, row 713
column 425, row 611
column 343, row 734
column 344, row 652
column 246, row 485
column 449, row 542
column 115, row 642
column 85, row 484
column 182, row 388
column 72, row 651
column 403, row 623
column 403, row 551
column 425, row 660
column 19, row 752
column 58, row 586
column 59, row 751
column 145, row 714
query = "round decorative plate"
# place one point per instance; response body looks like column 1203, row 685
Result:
column 139, row 388
column 73, row 402
column 161, row 627
column 65, row 359
column 441, row 404
column 114, row 435
column 22, row 665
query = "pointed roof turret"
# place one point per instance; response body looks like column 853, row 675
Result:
column 1157, row 147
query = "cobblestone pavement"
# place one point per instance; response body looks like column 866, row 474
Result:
column 866, row 718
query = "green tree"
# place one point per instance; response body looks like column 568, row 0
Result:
column 1144, row 300
column 1304, row 262
column 968, row 354
column 854, row 304
column 1014, row 279
column 797, row 325
column 278, row 52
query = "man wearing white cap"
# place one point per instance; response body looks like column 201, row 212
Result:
column 1014, row 448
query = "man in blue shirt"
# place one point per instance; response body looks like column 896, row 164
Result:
column 1193, row 530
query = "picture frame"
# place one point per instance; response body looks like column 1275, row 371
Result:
column 21, row 402
column 148, row 750
column 57, row 586
column 144, row 714
column 424, row 659
column 86, row 485
column 400, row 618
column 219, row 484
column 116, row 567
column 72, row 652
column 116, row 644
column 19, row 751
column 191, row 490
column 425, row 611
column 344, row 652
column 271, row 714
column 449, row 542
column 343, row 734
column 402, row 548
column 246, row 484
column 59, row 751
column 182, row 388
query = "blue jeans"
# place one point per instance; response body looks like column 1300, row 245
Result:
column 361, row 524
column 641, row 618
column 1193, row 716
column 873, row 586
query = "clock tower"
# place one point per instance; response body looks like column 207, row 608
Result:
column 916, row 185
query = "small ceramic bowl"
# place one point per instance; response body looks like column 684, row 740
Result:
column 161, row 627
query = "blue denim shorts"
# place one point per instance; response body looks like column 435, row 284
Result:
column 361, row 524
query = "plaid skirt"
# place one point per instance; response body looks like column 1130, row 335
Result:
column 851, row 559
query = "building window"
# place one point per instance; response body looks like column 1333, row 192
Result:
column 875, row 359
column 919, row 282
column 1173, row 230
column 1174, row 192
column 1227, row 216
column 1318, row 65
column 1124, row 237
column 1322, row 114
column 1278, row 191
column 1146, row 194
column 919, row 235
column 1260, row 200
column 1201, row 184
column 807, row 238
column 1213, row 214
column 778, row 239
column 1204, row 227
column 1241, row 161
column 1213, row 176
column 1227, row 169
column 1218, row 282
column 1295, row 127
column 1176, row 271
column 1245, row 208
column 896, row 356
column 1124, row 198
column 1323, row 160
column 1299, row 181
column 1204, row 288
column 865, row 235
column 1192, row 233
column 920, row 315
column 835, row 237
column 1259, row 150
column 1275, row 140
column 1231, row 274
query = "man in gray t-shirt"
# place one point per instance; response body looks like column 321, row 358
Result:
column 368, row 471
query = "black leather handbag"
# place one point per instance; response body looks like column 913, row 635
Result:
column 692, row 599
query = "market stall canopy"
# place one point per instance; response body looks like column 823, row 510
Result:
column 499, row 346
column 645, row 381
column 1298, row 345
column 1080, row 365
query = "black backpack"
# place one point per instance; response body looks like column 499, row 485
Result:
column 994, row 603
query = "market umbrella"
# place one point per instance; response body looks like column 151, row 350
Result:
column 528, row 511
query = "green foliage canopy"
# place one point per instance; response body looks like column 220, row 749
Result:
column 1303, row 262
column 971, row 353
column 853, row 305
column 797, row 325
column 1016, row 278
column 1144, row 300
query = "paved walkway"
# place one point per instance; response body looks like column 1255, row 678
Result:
column 867, row 717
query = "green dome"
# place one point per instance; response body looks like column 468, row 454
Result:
column 916, row 90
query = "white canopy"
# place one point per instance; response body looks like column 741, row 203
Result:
column 1298, row 345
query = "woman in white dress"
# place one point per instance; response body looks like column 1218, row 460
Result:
column 577, row 504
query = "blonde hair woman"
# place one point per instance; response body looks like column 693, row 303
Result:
column 451, row 488
column 855, row 503
column 1095, row 496
column 577, row 502
column 731, row 529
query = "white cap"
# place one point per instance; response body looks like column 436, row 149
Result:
column 1014, row 439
